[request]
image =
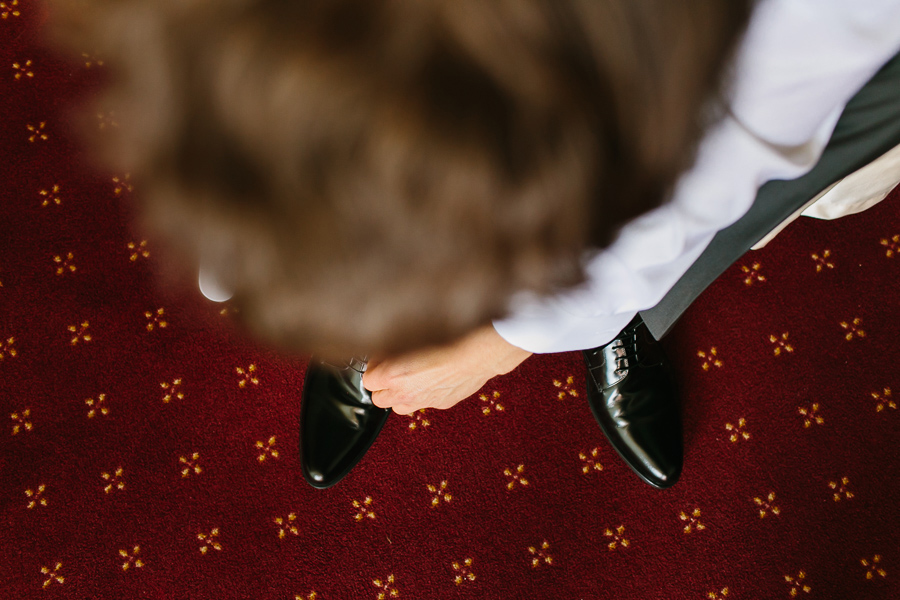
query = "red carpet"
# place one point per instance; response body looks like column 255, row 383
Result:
column 148, row 453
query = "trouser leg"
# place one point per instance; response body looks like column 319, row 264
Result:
column 868, row 127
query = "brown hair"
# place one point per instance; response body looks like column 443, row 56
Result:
column 375, row 175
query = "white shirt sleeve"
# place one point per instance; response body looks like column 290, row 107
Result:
column 799, row 64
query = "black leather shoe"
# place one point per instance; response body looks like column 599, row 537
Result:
column 338, row 421
column 632, row 395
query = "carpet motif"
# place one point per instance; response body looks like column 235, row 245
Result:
column 147, row 451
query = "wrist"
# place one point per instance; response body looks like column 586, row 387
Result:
column 502, row 357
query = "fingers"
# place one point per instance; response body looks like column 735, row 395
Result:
column 376, row 380
column 390, row 399
column 387, row 399
column 381, row 398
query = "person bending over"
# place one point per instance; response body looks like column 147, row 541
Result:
column 438, row 188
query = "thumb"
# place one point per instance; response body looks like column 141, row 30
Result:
column 372, row 378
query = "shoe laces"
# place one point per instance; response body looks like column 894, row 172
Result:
column 625, row 352
column 357, row 363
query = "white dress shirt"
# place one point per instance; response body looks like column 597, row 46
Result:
column 798, row 65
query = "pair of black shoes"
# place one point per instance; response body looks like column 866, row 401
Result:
column 630, row 391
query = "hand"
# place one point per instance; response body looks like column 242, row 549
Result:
column 441, row 376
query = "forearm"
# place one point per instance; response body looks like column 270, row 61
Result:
column 800, row 63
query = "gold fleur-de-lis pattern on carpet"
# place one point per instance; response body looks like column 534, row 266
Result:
column 51, row 196
column 21, row 421
column 812, row 415
column 616, row 538
column 590, row 461
column 797, row 584
column 515, row 477
column 114, row 480
column 752, row 274
column 440, row 493
column 80, row 333
column 23, row 69
column 97, row 406
column 363, row 508
column 122, row 185
column 247, row 376
column 156, row 319
column 64, row 263
column 540, row 555
column 873, row 567
column 737, row 431
column 490, row 403
column 841, row 489
column 386, row 587
column 8, row 348
column 9, row 8
column 853, row 329
column 884, row 400
column 721, row 594
column 54, row 575
column 267, row 450
column 781, row 344
column 287, row 525
column 710, row 359
column 891, row 245
column 566, row 388
column 766, row 505
column 822, row 260
column 190, row 465
column 137, row 250
column 36, row 496
column 463, row 572
column 209, row 541
column 691, row 521
column 37, row 132
column 131, row 558
column 91, row 61
column 420, row 419
column 172, row 391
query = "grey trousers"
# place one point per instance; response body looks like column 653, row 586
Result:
column 868, row 127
